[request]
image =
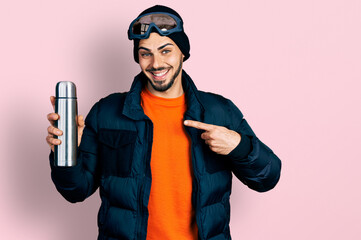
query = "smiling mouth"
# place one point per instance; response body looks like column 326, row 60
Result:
column 159, row 74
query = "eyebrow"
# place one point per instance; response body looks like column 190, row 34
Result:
column 160, row 48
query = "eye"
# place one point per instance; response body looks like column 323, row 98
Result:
column 165, row 51
column 145, row 54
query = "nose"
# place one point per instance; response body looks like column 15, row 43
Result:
column 157, row 61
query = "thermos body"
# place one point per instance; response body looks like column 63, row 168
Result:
column 67, row 108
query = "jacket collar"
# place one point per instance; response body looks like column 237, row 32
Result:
column 133, row 109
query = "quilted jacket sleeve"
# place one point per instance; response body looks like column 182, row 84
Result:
column 77, row 183
column 252, row 162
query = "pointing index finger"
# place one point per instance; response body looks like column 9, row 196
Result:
column 198, row 125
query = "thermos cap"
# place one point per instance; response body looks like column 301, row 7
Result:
column 65, row 89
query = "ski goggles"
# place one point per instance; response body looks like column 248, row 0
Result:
column 164, row 23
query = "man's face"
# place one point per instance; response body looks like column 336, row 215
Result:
column 161, row 61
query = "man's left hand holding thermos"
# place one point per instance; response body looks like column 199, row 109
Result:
column 52, row 130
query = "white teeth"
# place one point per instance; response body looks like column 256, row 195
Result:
column 160, row 74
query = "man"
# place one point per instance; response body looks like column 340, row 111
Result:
column 163, row 153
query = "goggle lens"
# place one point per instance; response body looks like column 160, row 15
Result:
column 164, row 23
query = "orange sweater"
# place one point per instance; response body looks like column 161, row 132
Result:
column 171, row 216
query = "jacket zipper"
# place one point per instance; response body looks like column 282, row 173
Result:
column 141, row 193
column 198, row 220
column 197, row 195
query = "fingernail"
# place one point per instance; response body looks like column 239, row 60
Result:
column 185, row 122
column 58, row 132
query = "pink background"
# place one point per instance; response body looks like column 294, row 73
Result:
column 292, row 67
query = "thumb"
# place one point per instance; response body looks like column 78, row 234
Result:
column 81, row 122
column 52, row 100
column 81, row 125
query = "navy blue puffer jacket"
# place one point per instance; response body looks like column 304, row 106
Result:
column 114, row 155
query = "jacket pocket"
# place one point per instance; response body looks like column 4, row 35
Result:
column 214, row 162
column 116, row 150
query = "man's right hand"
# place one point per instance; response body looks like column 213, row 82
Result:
column 52, row 130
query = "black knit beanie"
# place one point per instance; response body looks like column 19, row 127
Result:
column 180, row 38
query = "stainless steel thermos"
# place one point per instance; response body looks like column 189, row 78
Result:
column 66, row 106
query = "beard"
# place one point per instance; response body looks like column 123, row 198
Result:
column 163, row 88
